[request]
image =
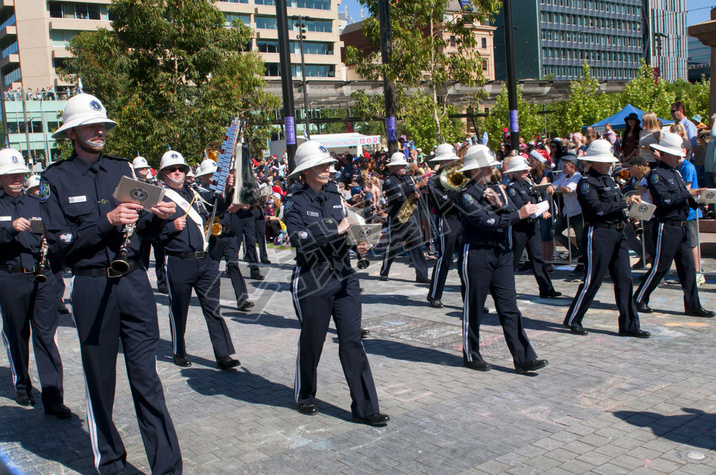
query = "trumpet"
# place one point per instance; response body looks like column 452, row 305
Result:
column 217, row 229
column 452, row 179
column 42, row 264
column 120, row 264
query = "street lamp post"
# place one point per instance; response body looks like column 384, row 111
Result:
column 302, row 36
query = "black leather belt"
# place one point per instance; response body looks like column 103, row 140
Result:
column 189, row 255
column 106, row 271
column 680, row 224
column 18, row 269
column 486, row 244
column 619, row 225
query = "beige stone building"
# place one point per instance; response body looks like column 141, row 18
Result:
column 34, row 35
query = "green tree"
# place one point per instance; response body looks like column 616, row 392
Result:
column 172, row 74
column 586, row 105
column 423, row 53
column 695, row 96
column 644, row 93
column 531, row 123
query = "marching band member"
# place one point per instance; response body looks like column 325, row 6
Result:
column 189, row 265
column 225, row 245
column 142, row 171
column 399, row 189
column 604, row 243
column 29, row 292
column 487, row 264
column 672, row 199
column 86, row 226
column 324, row 284
column 449, row 227
column 526, row 233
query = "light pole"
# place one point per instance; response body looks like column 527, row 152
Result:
column 302, row 36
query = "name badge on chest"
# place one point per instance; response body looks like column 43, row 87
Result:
column 312, row 214
column 77, row 199
column 5, row 218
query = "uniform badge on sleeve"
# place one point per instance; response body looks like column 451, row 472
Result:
column 467, row 199
column 302, row 234
column 654, row 177
column 512, row 191
column 65, row 238
column 584, row 189
column 287, row 207
column 387, row 181
column 44, row 192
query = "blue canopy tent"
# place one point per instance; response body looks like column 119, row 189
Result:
column 617, row 120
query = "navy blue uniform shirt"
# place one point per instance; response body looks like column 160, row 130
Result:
column 442, row 201
column 669, row 193
column 481, row 222
column 312, row 221
column 19, row 248
column 600, row 198
column 77, row 195
column 397, row 190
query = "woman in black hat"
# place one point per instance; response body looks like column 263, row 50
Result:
column 630, row 136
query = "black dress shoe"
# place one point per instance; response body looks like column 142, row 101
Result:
column 384, row 278
column 244, row 305
column 64, row 310
column 375, row 420
column 308, row 409
column 257, row 276
column 364, row 333
column 25, row 400
column 533, row 365
column 435, row 303
column 422, row 280
column 577, row 330
column 163, row 290
column 700, row 312
column 485, row 310
column 479, row 365
column 265, row 261
column 642, row 307
column 552, row 294
column 181, row 361
column 227, row 362
column 60, row 411
column 636, row 334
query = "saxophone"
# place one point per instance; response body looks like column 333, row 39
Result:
column 42, row 264
column 408, row 208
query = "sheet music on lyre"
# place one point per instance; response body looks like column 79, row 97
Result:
column 223, row 164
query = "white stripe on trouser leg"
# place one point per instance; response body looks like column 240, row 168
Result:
column 92, row 425
column 294, row 295
column 654, row 265
column 72, row 288
column 588, row 277
column 9, row 357
column 436, row 272
column 466, row 304
column 171, row 314
column 386, row 256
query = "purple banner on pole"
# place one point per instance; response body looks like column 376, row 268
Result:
column 514, row 122
column 290, row 123
column 390, row 126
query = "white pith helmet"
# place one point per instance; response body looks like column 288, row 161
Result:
column 445, row 152
column 397, row 160
column 83, row 109
column 478, row 156
column 517, row 164
column 600, row 150
column 207, row 167
column 310, row 154
column 32, row 181
column 172, row 158
column 671, row 144
column 140, row 162
column 11, row 162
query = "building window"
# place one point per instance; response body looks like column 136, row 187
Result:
column 265, row 2
column 229, row 19
column 9, row 49
column 81, row 11
column 266, row 22
column 318, row 26
column 315, row 4
column 267, row 46
column 272, row 69
column 61, row 38
column 452, row 40
column 484, row 42
column 312, row 47
column 233, row 1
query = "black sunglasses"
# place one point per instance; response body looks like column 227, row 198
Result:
column 174, row 169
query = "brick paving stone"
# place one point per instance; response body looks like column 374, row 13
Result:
column 602, row 406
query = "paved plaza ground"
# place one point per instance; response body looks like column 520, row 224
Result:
column 605, row 404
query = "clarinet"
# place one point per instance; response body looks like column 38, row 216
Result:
column 120, row 264
column 42, row 264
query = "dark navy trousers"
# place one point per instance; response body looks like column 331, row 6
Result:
column 449, row 230
column 201, row 275
column 227, row 247
column 490, row 269
column 408, row 232
column 528, row 235
column 605, row 250
column 672, row 245
column 318, row 293
column 29, row 308
column 243, row 225
column 107, row 311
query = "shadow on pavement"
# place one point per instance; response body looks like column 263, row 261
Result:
column 696, row 428
column 406, row 352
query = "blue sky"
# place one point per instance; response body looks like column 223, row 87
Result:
column 697, row 10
